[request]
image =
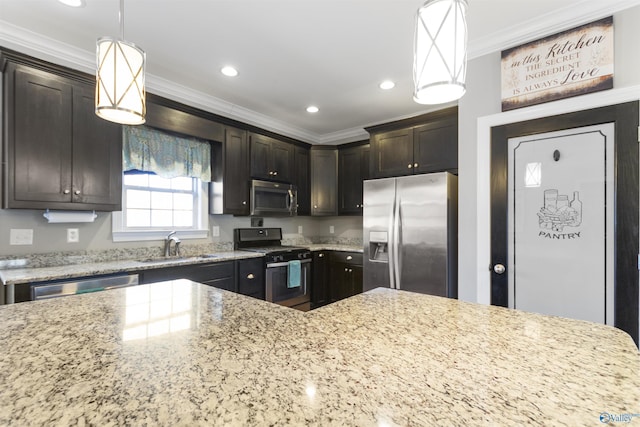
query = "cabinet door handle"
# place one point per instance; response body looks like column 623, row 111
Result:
column 315, row 206
column 244, row 202
column 415, row 165
column 270, row 173
column 66, row 191
column 349, row 258
column 350, row 270
column 357, row 206
column 320, row 255
column 77, row 192
column 250, row 276
column 409, row 165
column 275, row 173
column 346, row 269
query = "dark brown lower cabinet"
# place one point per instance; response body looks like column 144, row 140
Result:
column 220, row 274
column 320, row 279
column 336, row 275
column 250, row 275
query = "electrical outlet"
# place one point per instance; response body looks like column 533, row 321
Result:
column 21, row 236
column 299, row 229
column 332, row 229
column 73, row 235
column 215, row 231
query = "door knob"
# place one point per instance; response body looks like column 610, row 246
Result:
column 66, row 192
column 250, row 276
column 498, row 268
column 77, row 192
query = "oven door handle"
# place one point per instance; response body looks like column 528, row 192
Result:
column 284, row 264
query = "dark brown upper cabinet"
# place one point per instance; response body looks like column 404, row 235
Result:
column 302, row 179
column 425, row 144
column 59, row 154
column 271, row 159
column 324, row 181
column 353, row 168
column 230, row 174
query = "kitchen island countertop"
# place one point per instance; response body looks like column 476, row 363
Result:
column 181, row 353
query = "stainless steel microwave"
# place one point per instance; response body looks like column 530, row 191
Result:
column 273, row 199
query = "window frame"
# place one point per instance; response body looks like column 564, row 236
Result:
column 199, row 230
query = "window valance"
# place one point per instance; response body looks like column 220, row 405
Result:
column 166, row 155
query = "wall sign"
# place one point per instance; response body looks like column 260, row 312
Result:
column 574, row 62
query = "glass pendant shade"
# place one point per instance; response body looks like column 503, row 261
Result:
column 440, row 51
column 120, row 93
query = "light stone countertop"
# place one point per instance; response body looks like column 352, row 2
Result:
column 184, row 354
column 15, row 276
column 335, row 247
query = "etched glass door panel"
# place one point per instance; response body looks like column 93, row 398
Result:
column 561, row 223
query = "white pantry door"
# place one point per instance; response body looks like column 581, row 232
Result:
column 560, row 223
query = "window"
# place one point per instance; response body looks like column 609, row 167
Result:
column 151, row 201
column 152, row 206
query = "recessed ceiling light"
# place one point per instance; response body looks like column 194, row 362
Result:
column 312, row 109
column 73, row 3
column 387, row 84
column 229, row 71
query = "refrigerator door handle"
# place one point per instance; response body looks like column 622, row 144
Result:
column 396, row 242
column 390, row 248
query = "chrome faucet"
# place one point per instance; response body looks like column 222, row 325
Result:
column 171, row 237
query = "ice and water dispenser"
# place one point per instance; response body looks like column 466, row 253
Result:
column 378, row 246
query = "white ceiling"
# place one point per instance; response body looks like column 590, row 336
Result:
column 290, row 53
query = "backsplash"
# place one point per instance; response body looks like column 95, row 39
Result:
column 120, row 254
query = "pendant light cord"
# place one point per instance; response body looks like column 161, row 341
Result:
column 122, row 20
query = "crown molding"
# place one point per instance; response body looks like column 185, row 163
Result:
column 547, row 24
column 197, row 99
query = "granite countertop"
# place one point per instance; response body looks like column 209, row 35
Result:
column 181, row 353
column 18, row 275
column 14, row 276
column 335, row 247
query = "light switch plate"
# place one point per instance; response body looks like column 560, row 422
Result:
column 73, row 235
column 215, row 230
column 332, row 229
column 21, row 236
column 299, row 229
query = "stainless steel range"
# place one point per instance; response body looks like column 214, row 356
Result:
column 287, row 268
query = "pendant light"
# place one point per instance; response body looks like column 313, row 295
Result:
column 120, row 93
column 440, row 51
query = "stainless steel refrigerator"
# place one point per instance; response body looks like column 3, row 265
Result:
column 411, row 234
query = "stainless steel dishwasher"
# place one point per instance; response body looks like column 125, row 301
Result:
column 81, row 286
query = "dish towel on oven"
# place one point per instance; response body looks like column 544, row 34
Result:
column 293, row 274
